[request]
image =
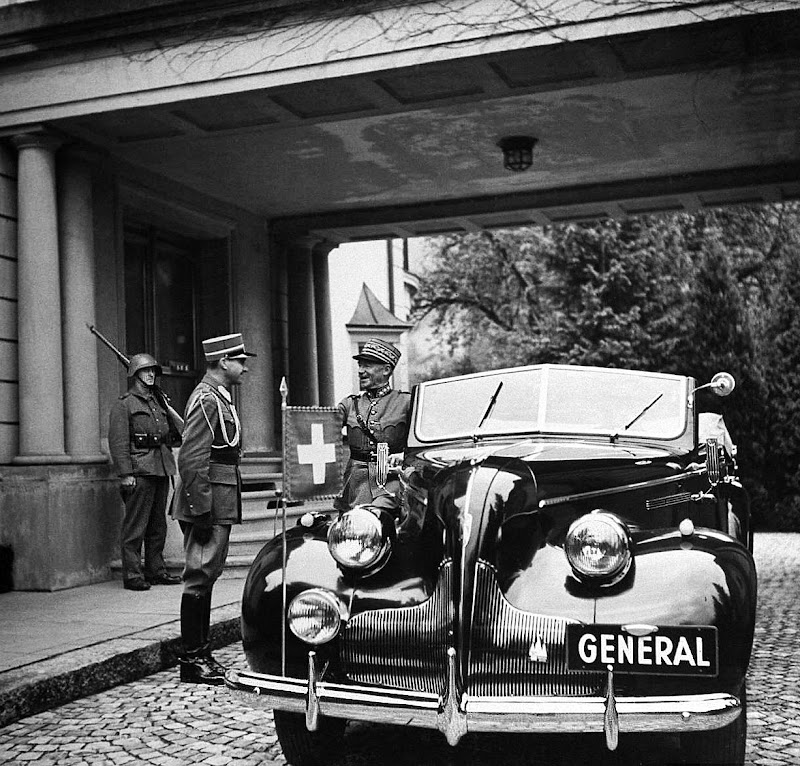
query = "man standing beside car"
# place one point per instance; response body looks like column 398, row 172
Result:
column 379, row 414
column 209, row 498
column 141, row 434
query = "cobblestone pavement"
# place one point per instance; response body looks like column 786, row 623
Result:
column 159, row 722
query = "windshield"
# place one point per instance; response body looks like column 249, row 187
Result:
column 554, row 399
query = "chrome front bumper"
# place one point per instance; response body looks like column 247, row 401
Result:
column 456, row 713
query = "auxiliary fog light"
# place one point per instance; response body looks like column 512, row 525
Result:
column 357, row 540
column 316, row 616
column 598, row 547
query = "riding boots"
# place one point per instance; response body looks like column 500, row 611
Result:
column 197, row 664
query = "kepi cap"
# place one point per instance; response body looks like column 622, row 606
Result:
column 225, row 347
column 377, row 350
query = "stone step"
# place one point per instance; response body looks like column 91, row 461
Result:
column 261, row 469
column 263, row 477
column 259, row 495
column 257, row 504
column 237, row 566
column 246, row 543
column 260, row 512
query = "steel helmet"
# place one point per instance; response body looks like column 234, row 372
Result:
column 142, row 362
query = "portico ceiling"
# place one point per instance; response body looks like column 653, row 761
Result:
column 671, row 118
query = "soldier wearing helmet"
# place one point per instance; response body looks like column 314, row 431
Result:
column 141, row 435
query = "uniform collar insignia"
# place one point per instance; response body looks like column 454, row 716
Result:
column 379, row 392
column 225, row 393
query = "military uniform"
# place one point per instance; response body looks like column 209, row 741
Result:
column 208, row 499
column 378, row 414
column 370, row 418
column 140, row 437
column 210, row 482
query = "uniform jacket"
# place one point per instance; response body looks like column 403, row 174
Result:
column 136, row 423
column 208, row 463
column 367, row 422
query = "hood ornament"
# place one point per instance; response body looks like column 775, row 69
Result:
column 538, row 650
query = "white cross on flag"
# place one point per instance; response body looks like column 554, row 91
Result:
column 313, row 454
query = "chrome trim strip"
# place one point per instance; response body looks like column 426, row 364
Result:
column 312, row 706
column 663, row 502
column 547, row 502
column 611, row 718
column 452, row 721
column 679, row 713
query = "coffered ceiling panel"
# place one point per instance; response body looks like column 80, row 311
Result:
column 677, row 118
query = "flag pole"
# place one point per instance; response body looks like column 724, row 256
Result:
column 284, row 389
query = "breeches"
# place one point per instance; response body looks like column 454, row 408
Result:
column 204, row 563
column 361, row 487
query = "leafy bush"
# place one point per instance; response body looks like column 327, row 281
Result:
column 694, row 294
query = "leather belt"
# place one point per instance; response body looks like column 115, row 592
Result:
column 225, row 459
column 363, row 457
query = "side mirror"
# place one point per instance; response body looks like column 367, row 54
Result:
column 721, row 384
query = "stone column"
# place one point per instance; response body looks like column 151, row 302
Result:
column 322, row 309
column 254, row 321
column 303, row 365
column 41, row 399
column 76, row 238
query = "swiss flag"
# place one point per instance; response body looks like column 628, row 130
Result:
column 313, row 453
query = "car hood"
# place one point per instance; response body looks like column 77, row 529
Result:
column 543, row 450
column 560, row 478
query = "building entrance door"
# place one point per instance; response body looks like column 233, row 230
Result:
column 162, row 281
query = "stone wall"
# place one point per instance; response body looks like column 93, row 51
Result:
column 62, row 523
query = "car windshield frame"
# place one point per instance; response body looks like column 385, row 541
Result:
column 561, row 400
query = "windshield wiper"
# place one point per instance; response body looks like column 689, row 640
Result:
column 616, row 434
column 488, row 411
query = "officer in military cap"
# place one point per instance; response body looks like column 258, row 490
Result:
column 141, row 434
column 377, row 415
column 208, row 499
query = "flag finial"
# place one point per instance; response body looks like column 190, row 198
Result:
column 284, row 389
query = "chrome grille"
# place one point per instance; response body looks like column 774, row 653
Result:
column 406, row 647
column 502, row 637
column 663, row 502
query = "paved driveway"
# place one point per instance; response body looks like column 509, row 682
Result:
column 159, row 722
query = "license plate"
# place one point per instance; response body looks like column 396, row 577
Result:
column 684, row 650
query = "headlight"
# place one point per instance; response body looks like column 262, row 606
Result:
column 598, row 547
column 315, row 616
column 357, row 540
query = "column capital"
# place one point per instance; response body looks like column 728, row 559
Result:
column 37, row 140
column 312, row 243
column 306, row 242
column 324, row 246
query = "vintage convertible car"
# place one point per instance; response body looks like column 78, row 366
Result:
column 570, row 552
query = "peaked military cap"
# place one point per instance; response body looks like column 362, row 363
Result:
column 377, row 350
column 225, row 347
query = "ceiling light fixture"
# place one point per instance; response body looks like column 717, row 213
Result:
column 517, row 152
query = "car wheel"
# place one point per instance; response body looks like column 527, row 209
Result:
column 302, row 747
column 718, row 746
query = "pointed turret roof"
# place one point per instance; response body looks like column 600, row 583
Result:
column 370, row 312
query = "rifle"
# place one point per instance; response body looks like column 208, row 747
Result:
column 125, row 361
